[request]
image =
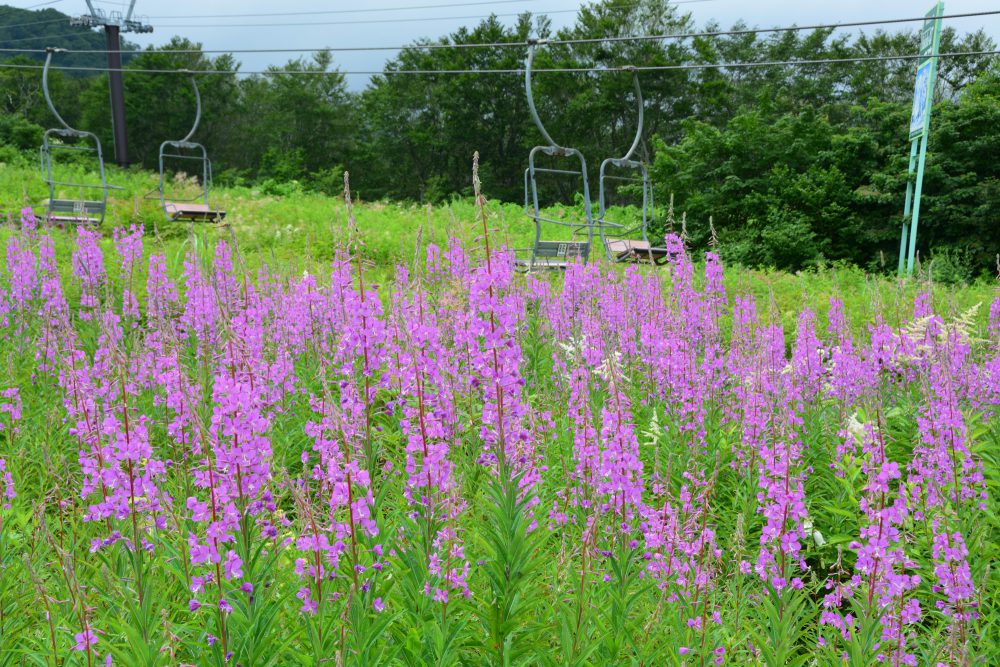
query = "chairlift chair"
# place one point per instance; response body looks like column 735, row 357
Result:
column 92, row 204
column 176, row 206
column 552, row 254
column 619, row 240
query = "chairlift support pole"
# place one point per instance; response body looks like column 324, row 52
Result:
column 112, row 36
column 114, row 24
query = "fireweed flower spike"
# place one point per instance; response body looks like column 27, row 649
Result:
column 10, row 415
column 884, row 578
column 88, row 268
column 17, row 300
column 129, row 247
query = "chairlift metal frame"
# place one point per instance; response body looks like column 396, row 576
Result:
column 551, row 254
column 617, row 241
column 196, row 208
column 75, row 211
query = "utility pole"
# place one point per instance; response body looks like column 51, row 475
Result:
column 114, row 24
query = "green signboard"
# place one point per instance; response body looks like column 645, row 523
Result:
column 920, row 124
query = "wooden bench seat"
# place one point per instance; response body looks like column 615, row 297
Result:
column 192, row 211
column 636, row 251
column 75, row 212
column 554, row 254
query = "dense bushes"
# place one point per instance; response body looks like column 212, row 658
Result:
column 802, row 188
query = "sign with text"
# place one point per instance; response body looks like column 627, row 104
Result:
column 921, row 100
column 923, row 89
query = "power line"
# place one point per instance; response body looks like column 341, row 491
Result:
column 589, row 40
column 310, row 13
column 365, row 10
column 412, row 19
column 383, row 9
column 756, row 31
column 41, row 4
column 557, row 70
column 30, row 23
column 40, row 37
column 351, row 11
column 717, row 33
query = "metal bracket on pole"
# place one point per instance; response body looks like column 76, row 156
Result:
column 100, row 18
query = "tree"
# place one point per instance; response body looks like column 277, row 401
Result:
column 959, row 211
column 419, row 132
column 161, row 106
column 302, row 124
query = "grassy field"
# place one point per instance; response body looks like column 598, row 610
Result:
column 281, row 441
column 302, row 231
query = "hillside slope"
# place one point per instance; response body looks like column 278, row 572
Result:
column 25, row 29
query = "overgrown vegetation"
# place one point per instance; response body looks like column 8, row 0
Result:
column 210, row 455
column 797, row 166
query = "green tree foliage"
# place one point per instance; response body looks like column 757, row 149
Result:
column 159, row 107
column 274, row 125
column 417, row 131
column 808, row 164
column 962, row 181
column 303, row 125
column 23, row 112
column 797, row 189
column 36, row 30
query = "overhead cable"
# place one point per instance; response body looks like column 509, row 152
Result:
column 572, row 41
column 556, row 70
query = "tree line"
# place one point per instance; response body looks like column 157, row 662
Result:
column 792, row 165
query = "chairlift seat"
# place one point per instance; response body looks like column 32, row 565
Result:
column 554, row 255
column 192, row 211
column 179, row 207
column 73, row 211
column 66, row 138
column 636, row 250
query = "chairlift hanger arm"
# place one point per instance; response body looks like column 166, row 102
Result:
column 529, row 61
column 197, row 100
column 641, row 107
column 45, row 88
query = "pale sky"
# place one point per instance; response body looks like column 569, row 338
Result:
column 393, row 26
